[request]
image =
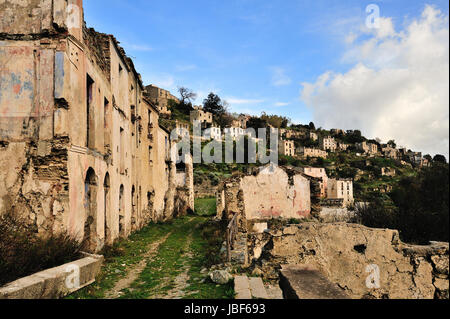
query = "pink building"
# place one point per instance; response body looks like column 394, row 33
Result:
column 318, row 173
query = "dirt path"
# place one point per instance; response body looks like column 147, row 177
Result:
column 181, row 281
column 163, row 261
column 134, row 272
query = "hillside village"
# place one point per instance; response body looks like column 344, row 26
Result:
column 91, row 178
column 342, row 158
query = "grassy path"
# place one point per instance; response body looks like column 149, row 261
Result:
column 161, row 261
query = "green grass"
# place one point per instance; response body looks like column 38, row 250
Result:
column 205, row 247
column 158, row 277
column 129, row 252
column 205, row 206
column 159, row 274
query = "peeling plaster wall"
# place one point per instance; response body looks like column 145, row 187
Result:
column 35, row 183
column 45, row 149
column 272, row 194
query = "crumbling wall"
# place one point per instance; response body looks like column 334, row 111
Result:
column 34, row 183
column 350, row 254
column 35, row 19
column 274, row 192
column 205, row 189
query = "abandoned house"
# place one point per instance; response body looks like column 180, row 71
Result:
column 81, row 148
column 271, row 192
column 161, row 98
column 286, row 147
column 306, row 152
column 328, row 144
column 341, row 189
column 321, row 173
column 205, row 118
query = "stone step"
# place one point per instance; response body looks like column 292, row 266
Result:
column 242, row 288
column 306, row 282
column 274, row 292
column 257, row 289
column 252, row 288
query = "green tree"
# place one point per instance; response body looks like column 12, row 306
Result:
column 213, row 104
column 392, row 144
column 440, row 159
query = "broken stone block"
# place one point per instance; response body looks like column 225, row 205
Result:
column 221, row 277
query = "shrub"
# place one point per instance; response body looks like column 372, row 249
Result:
column 23, row 252
column 420, row 207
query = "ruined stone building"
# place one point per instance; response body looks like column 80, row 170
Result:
column 294, row 134
column 320, row 173
column 368, row 148
column 241, row 121
column 161, row 98
column 205, row 118
column 273, row 192
column 390, row 152
column 286, row 147
column 306, row 152
column 81, row 149
column 328, row 144
column 341, row 189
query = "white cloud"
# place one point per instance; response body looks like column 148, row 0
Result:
column 279, row 77
column 397, row 88
column 279, row 104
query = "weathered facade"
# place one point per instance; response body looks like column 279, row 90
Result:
column 306, row 152
column 328, row 144
column 286, row 147
column 341, row 189
column 161, row 98
column 80, row 146
column 274, row 192
column 320, row 173
column 205, row 118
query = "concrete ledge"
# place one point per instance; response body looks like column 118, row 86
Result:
column 56, row 282
column 306, row 282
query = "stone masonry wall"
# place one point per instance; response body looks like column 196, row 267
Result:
column 348, row 254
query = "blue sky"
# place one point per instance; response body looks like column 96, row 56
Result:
column 253, row 53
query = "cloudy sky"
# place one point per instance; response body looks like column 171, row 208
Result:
column 308, row 60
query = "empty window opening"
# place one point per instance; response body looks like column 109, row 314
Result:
column 107, row 206
column 90, row 205
column 89, row 112
column 121, row 212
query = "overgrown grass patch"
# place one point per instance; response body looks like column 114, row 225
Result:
column 159, row 274
column 120, row 257
column 205, row 206
column 206, row 250
column 193, row 244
